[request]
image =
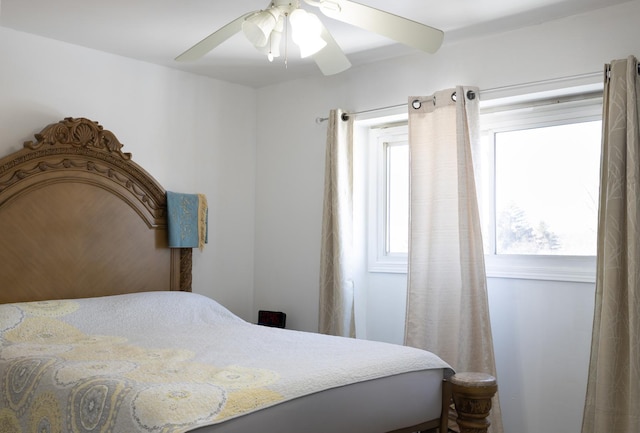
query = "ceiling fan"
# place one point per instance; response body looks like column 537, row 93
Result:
column 266, row 28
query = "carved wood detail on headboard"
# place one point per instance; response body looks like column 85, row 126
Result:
column 83, row 137
column 78, row 156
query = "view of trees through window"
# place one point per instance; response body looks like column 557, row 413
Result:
column 518, row 235
column 547, row 189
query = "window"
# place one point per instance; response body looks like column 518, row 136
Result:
column 538, row 178
column 388, row 199
column 539, row 188
column 396, row 218
column 547, row 189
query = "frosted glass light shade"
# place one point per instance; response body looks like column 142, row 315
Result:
column 272, row 47
column 311, row 46
column 305, row 32
column 259, row 26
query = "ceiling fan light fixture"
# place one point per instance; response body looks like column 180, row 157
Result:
column 272, row 47
column 265, row 29
column 306, row 30
column 327, row 6
column 311, row 47
column 258, row 27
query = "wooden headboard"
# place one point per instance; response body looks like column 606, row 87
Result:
column 78, row 218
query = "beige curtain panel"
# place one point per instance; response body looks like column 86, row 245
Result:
column 447, row 305
column 336, row 279
column 613, row 389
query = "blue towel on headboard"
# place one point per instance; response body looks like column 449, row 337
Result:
column 187, row 219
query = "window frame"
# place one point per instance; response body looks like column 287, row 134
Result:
column 500, row 118
column 587, row 103
column 378, row 260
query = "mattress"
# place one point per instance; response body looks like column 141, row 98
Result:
column 375, row 406
column 177, row 362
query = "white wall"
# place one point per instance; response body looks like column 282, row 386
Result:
column 263, row 170
column 541, row 329
column 192, row 133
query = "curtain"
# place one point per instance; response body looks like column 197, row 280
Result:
column 336, row 279
column 447, row 305
column 613, row 387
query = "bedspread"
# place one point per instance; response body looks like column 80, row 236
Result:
column 166, row 362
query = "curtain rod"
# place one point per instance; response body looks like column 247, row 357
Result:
column 607, row 70
column 484, row 92
column 416, row 103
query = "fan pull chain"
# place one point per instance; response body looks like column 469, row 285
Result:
column 286, row 39
column 270, row 53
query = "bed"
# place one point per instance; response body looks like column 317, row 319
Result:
column 100, row 330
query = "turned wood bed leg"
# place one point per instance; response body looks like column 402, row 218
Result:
column 472, row 393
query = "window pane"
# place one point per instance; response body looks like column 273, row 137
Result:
column 547, row 189
column 397, row 198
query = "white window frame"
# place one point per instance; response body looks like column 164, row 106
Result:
column 571, row 109
column 496, row 116
column 378, row 259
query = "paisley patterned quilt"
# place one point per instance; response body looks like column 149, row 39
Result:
column 165, row 362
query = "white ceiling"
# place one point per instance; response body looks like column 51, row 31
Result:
column 157, row 31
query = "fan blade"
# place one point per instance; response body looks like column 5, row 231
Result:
column 213, row 40
column 400, row 29
column 331, row 60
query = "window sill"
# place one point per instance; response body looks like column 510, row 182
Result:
column 581, row 269
column 389, row 266
column 551, row 268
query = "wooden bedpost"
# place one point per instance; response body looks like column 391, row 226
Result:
column 472, row 394
column 186, row 265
